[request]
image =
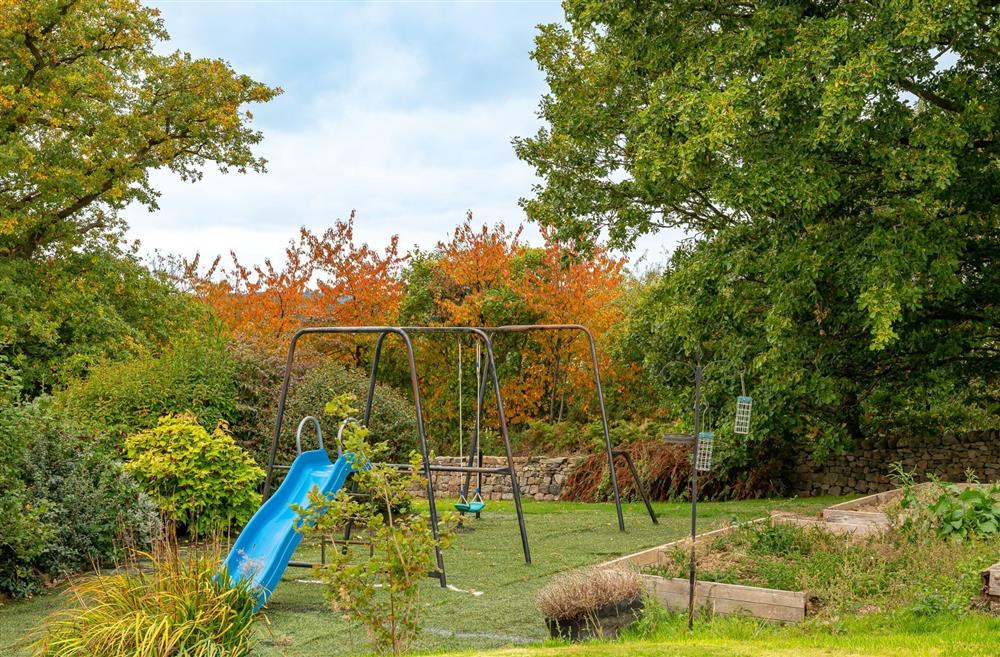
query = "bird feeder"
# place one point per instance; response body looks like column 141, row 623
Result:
column 743, row 405
column 703, row 457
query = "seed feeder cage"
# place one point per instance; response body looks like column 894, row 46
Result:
column 703, row 457
column 743, row 405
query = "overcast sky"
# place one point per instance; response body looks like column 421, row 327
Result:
column 401, row 110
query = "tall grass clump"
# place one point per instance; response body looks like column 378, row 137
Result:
column 582, row 593
column 161, row 605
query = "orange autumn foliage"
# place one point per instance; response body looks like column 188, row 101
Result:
column 486, row 276
column 482, row 276
column 326, row 279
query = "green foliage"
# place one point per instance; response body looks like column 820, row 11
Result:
column 963, row 513
column 379, row 588
column 204, row 481
column 314, row 382
column 91, row 104
column 196, row 373
column 837, row 165
column 60, row 317
column 67, row 504
column 173, row 607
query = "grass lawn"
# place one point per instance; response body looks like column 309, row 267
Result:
column 485, row 557
column 886, row 635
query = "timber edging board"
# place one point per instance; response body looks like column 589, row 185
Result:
column 769, row 604
column 991, row 583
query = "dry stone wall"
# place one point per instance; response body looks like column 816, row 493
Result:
column 866, row 469
column 540, row 478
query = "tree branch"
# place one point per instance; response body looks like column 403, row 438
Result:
column 929, row 96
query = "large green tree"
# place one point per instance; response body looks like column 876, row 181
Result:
column 88, row 106
column 838, row 168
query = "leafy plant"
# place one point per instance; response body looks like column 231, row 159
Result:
column 201, row 480
column 964, row 512
column 67, row 503
column 195, row 373
column 314, row 382
column 377, row 586
column 173, row 607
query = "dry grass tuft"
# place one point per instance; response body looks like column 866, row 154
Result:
column 580, row 593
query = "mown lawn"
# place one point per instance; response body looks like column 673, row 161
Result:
column 485, row 557
column 884, row 635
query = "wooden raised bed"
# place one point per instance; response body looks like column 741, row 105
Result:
column 770, row 604
column 991, row 586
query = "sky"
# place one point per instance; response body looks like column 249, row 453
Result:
column 401, row 110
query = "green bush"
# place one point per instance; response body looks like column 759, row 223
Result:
column 196, row 373
column 67, row 504
column 173, row 609
column 313, row 384
column 203, row 481
column 955, row 512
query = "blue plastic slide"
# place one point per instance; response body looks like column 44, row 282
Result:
column 267, row 542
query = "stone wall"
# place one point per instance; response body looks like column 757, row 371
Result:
column 540, row 478
column 866, row 469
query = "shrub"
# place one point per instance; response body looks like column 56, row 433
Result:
column 664, row 469
column 313, row 384
column 581, row 594
column 962, row 513
column 176, row 608
column 377, row 586
column 204, row 481
column 196, row 374
column 67, row 503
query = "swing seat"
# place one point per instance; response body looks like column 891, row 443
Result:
column 474, row 506
column 470, row 507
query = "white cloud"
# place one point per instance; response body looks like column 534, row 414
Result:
column 370, row 123
column 413, row 172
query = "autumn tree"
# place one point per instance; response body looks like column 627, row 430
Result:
column 324, row 279
column 487, row 276
column 565, row 284
column 836, row 166
column 87, row 108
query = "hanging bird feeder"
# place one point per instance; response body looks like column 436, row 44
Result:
column 744, row 403
column 703, row 457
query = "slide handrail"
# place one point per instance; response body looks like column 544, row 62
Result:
column 319, row 434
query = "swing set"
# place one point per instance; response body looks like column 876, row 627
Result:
column 486, row 374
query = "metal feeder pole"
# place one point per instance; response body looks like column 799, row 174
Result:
column 694, row 486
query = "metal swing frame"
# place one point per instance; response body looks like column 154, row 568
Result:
column 427, row 466
column 485, row 336
column 596, row 368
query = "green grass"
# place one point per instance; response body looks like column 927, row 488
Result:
column 895, row 635
column 485, row 557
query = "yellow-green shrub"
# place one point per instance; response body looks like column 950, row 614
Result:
column 203, row 481
column 174, row 609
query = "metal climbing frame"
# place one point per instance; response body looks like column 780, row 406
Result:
column 612, row 453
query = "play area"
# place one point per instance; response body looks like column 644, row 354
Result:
column 265, row 546
column 492, row 602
